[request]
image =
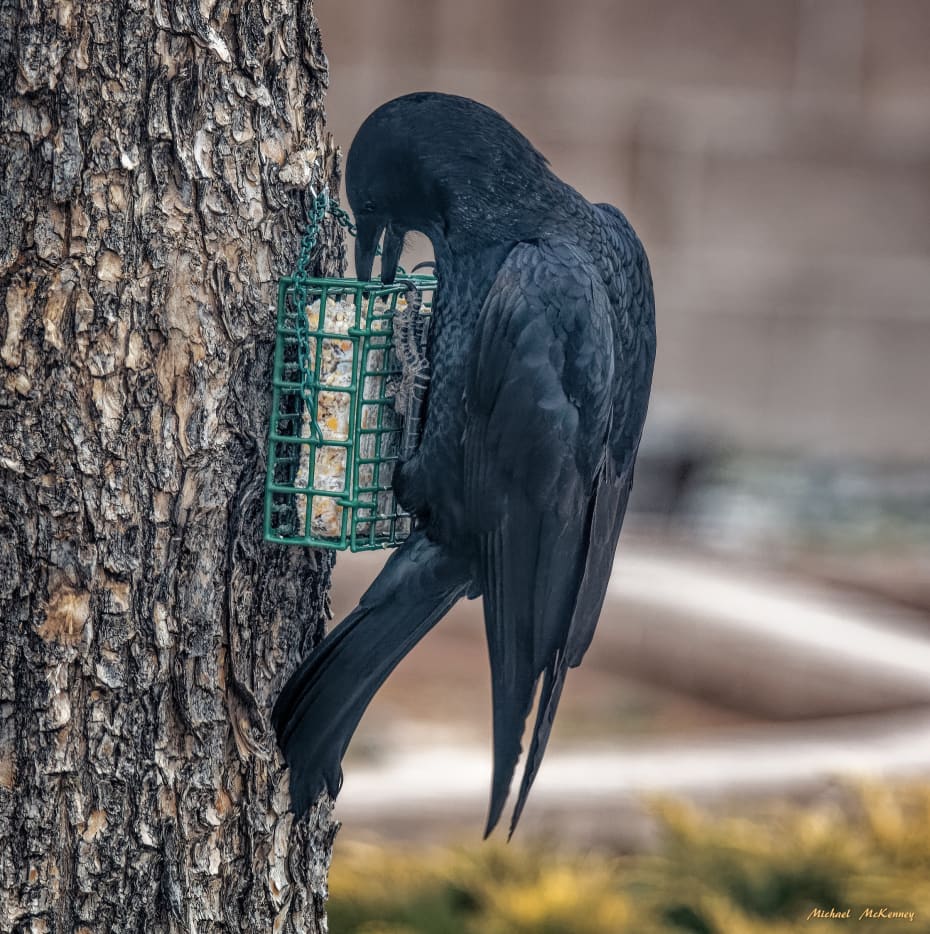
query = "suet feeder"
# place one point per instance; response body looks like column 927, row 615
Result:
column 348, row 387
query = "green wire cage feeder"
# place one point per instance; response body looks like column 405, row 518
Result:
column 348, row 387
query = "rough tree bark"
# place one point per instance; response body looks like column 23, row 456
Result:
column 154, row 153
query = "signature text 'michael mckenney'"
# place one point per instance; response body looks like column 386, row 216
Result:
column 846, row 914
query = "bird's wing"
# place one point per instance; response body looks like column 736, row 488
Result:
column 541, row 491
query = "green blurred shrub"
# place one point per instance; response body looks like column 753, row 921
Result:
column 711, row 875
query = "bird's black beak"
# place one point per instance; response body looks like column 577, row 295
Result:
column 368, row 233
column 390, row 255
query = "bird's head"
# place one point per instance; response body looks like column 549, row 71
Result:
column 446, row 166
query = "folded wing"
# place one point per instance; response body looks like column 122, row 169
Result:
column 543, row 497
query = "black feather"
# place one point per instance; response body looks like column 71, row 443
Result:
column 320, row 706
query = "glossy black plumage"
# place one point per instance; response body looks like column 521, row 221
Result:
column 541, row 351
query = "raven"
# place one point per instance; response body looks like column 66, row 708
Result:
column 541, row 351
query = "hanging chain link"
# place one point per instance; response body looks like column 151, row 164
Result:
column 321, row 204
column 318, row 209
column 342, row 217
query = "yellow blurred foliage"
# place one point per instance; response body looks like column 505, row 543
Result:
column 868, row 848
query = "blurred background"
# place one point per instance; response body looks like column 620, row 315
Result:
column 766, row 638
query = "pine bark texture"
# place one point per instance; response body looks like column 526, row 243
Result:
column 153, row 162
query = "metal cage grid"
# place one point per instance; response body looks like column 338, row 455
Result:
column 334, row 435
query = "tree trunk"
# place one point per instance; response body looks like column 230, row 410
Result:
column 154, row 155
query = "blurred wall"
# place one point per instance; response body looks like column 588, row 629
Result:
column 775, row 158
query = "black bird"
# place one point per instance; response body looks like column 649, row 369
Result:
column 541, row 349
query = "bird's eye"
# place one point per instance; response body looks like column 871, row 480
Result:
column 368, row 207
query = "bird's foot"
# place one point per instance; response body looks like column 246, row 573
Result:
column 410, row 486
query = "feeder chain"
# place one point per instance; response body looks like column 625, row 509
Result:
column 316, row 213
column 315, row 216
column 342, row 217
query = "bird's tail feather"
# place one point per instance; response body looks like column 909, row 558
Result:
column 320, row 706
column 553, row 681
column 603, row 527
column 509, row 627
